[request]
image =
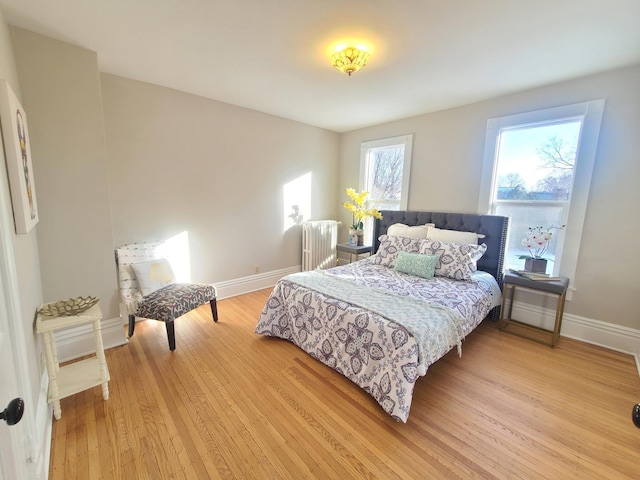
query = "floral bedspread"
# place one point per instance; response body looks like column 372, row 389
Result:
column 329, row 315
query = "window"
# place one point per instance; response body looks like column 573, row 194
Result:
column 384, row 173
column 537, row 171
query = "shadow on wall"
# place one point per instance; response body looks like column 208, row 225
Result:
column 296, row 201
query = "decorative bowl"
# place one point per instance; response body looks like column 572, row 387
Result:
column 68, row 307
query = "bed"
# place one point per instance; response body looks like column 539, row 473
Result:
column 383, row 320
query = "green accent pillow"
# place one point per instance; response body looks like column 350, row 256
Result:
column 417, row 264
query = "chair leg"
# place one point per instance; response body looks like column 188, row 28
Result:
column 171, row 335
column 132, row 325
column 214, row 309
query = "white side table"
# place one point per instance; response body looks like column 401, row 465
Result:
column 77, row 376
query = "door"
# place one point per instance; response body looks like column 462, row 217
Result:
column 11, row 458
column 13, row 453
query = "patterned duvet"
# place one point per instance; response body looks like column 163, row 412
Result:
column 379, row 328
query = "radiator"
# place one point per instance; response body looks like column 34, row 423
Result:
column 319, row 240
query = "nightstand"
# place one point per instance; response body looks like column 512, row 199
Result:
column 77, row 376
column 352, row 250
column 511, row 282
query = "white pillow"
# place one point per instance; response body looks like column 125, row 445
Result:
column 391, row 245
column 153, row 275
column 453, row 236
column 417, row 232
column 456, row 260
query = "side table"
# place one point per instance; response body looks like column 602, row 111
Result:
column 352, row 250
column 77, row 376
column 557, row 287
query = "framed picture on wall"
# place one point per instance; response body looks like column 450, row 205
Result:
column 17, row 153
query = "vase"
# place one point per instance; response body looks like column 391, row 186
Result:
column 356, row 237
column 353, row 237
column 535, row 265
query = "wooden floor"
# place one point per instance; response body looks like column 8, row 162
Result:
column 229, row 403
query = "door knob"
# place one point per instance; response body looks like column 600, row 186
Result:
column 13, row 413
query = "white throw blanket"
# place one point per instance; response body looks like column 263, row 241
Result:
column 430, row 324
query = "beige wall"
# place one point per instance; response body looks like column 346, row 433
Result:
column 176, row 162
column 61, row 93
column 446, row 170
column 179, row 162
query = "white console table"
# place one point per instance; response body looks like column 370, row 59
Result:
column 78, row 376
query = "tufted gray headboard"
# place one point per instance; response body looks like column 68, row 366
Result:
column 494, row 228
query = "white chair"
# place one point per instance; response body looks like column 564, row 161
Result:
column 147, row 288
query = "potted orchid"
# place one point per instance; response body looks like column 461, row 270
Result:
column 358, row 210
column 537, row 241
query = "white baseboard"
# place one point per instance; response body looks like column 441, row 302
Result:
column 239, row 286
column 78, row 341
column 608, row 335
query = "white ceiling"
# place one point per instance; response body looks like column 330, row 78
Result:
column 273, row 55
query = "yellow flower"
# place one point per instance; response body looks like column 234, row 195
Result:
column 350, row 206
column 356, row 207
column 359, row 198
column 372, row 212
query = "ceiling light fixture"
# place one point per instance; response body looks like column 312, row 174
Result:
column 350, row 59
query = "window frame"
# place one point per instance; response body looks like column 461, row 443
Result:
column 365, row 147
column 591, row 113
column 407, row 141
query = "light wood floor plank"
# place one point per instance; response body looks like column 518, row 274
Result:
column 231, row 404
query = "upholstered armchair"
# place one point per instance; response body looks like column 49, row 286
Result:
column 148, row 289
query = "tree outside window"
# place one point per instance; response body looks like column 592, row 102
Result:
column 537, row 170
column 384, row 173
